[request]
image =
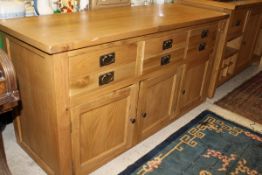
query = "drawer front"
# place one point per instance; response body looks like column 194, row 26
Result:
column 207, row 32
column 200, row 48
column 237, row 22
column 156, row 63
column 102, row 67
column 159, row 45
column 98, row 79
column 201, row 41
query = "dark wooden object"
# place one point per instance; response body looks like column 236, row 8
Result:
column 4, row 170
column 8, row 100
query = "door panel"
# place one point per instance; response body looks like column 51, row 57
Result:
column 103, row 128
column 193, row 89
column 156, row 100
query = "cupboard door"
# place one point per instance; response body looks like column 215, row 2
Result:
column 103, row 128
column 156, row 103
column 194, row 83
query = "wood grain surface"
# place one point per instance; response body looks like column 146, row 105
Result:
column 63, row 32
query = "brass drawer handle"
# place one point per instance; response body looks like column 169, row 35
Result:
column 201, row 47
column 106, row 78
column 204, row 33
column 165, row 60
column 107, row 59
column 238, row 22
column 167, row 44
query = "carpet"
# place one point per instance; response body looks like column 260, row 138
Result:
column 246, row 100
column 207, row 145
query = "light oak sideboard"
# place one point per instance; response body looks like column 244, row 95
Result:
column 94, row 84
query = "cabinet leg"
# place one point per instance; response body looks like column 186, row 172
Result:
column 4, row 170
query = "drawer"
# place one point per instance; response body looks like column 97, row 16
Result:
column 206, row 32
column 201, row 41
column 237, row 22
column 94, row 80
column 200, row 48
column 114, row 63
column 101, row 59
column 159, row 45
column 161, row 61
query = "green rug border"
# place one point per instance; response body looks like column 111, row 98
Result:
column 151, row 154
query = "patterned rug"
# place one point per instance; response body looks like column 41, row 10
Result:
column 208, row 145
column 246, row 100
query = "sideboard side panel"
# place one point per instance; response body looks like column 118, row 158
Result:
column 39, row 127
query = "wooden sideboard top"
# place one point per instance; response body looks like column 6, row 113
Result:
column 64, row 32
column 231, row 5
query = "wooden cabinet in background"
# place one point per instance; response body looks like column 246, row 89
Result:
column 249, row 39
column 94, row 4
column 237, row 39
column 102, row 128
column 157, row 100
column 236, row 23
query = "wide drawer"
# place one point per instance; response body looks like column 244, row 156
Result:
column 101, row 67
column 164, row 44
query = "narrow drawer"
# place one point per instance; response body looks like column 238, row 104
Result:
column 159, row 45
column 101, row 67
column 236, row 24
column 199, row 48
column 156, row 63
column 206, row 32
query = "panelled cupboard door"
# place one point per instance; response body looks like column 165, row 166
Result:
column 103, row 128
column 194, row 82
column 157, row 98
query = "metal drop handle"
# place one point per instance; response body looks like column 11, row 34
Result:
column 204, row 33
column 106, row 78
column 133, row 120
column 238, row 22
column 144, row 114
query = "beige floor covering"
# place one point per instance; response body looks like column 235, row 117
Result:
column 21, row 164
